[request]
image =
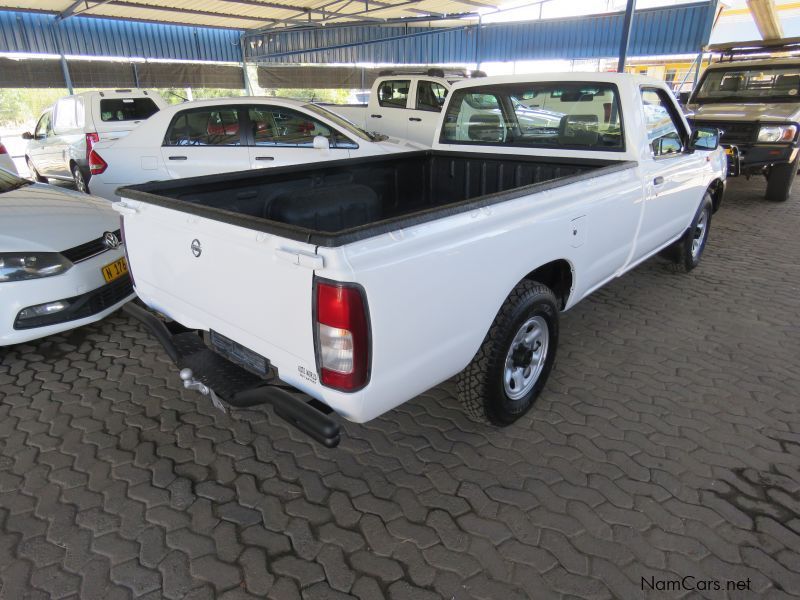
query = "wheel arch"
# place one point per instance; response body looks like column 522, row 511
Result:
column 716, row 188
column 558, row 275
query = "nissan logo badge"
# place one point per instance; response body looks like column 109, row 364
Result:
column 110, row 240
column 197, row 249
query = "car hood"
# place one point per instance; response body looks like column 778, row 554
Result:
column 773, row 111
column 45, row 218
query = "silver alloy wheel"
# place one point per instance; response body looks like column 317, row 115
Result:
column 700, row 231
column 526, row 357
column 80, row 181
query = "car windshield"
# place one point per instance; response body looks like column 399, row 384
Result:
column 9, row 181
column 341, row 122
column 760, row 84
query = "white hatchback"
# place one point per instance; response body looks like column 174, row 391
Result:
column 231, row 134
column 61, row 260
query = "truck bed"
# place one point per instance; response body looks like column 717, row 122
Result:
column 343, row 201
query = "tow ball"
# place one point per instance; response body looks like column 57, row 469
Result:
column 190, row 383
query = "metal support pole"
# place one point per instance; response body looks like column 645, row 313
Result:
column 700, row 58
column 626, row 34
column 248, row 89
column 478, row 43
column 135, row 74
column 67, row 78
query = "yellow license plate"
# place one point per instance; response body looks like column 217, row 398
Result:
column 115, row 270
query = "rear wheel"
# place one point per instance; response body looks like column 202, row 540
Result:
column 780, row 181
column 79, row 179
column 34, row 173
column 512, row 365
column 687, row 251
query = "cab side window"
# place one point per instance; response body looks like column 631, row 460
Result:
column 430, row 95
column 43, row 127
column 215, row 126
column 393, row 93
column 663, row 126
column 278, row 126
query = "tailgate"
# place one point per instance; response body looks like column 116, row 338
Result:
column 210, row 275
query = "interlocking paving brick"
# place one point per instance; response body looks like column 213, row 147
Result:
column 666, row 443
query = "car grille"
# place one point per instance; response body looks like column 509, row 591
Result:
column 732, row 133
column 83, row 306
column 88, row 250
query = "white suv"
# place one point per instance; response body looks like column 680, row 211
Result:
column 60, row 145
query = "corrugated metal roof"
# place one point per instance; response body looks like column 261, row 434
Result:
column 669, row 30
column 250, row 14
column 677, row 29
column 41, row 34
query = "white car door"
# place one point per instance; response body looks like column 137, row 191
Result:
column 429, row 98
column 388, row 112
column 672, row 177
column 38, row 150
column 285, row 136
column 205, row 141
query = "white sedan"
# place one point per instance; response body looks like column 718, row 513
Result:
column 231, row 134
column 61, row 261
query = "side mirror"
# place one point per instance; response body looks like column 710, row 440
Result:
column 321, row 142
column 704, row 138
column 27, row 135
column 683, row 97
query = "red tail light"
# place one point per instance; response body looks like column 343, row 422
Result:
column 3, row 149
column 96, row 163
column 342, row 335
column 91, row 140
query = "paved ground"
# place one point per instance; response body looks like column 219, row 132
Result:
column 666, row 445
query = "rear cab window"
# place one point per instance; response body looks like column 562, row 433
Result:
column 574, row 115
column 126, row 109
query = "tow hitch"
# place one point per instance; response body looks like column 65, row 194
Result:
column 205, row 371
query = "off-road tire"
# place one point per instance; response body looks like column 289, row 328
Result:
column 680, row 253
column 780, row 181
column 481, row 385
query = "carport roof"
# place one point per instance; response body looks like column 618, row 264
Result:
column 253, row 14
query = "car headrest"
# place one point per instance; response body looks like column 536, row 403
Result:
column 786, row 82
column 485, row 128
column 578, row 130
column 731, row 84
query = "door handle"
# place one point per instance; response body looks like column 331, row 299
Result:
column 177, row 158
column 265, row 158
column 658, row 180
column 414, row 119
column 376, row 116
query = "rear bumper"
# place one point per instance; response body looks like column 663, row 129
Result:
column 235, row 385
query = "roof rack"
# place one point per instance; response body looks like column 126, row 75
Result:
column 432, row 72
column 731, row 51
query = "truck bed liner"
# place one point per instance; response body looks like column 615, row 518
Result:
column 339, row 202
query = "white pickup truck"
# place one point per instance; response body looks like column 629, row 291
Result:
column 403, row 104
column 355, row 285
